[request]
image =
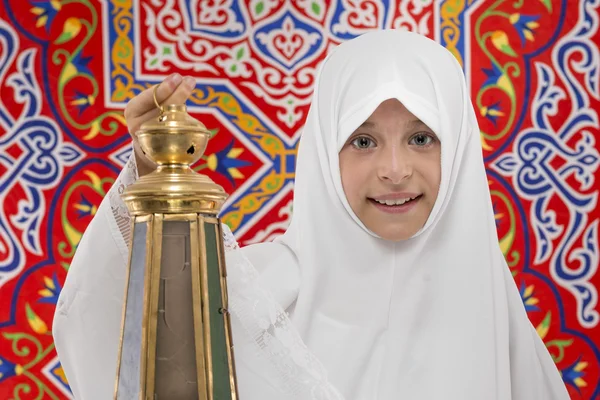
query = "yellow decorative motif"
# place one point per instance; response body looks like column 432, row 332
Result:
column 48, row 290
column 505, row 84
column 543, row 328
column 270, row 144
column 235, row 173
column 91, row 210
column 71, row 29
column 43, row 13
column 94, row 130
column 49, row 283
column 252, row 202
column 212, row 161
column 232, row 219
column 69, row 72
column 525, row 25
column 41, row 21
column 84, row 100
column 485, row 111
column 500, row 42
column 485, row 145
column 60, row 373
column 507, row 241
column 579, row 381
column 95, row 180
column 35, row 322
column 450, row 26
column 527, row 295
column 72, row 235
column 122, row 53
column 95, row 126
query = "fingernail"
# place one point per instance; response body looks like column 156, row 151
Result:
column 176, row 78
column 189, row 82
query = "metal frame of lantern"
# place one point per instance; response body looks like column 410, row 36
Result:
column 175, row 228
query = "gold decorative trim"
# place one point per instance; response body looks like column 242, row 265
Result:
column 180, row 217
column 141, row 218
column 145, row 316
column 226, row 316
column 206, row 307
column 211, row 220
column 197, row 308
column 152, row 305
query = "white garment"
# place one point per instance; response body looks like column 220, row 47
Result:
column 434, row 317
column 271, row 360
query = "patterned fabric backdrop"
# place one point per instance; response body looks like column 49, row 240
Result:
column 68, row 67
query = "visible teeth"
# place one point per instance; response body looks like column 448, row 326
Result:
column 398, row 202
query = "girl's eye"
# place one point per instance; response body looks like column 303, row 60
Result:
column 421, row 139
column 363, row 142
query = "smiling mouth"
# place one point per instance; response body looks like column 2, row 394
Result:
column 395, row 202
column 394, row 206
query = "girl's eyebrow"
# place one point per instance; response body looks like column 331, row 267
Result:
column 412, row 124
column 416, row 123
column 368, row 124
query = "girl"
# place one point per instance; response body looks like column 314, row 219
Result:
column 389, row 282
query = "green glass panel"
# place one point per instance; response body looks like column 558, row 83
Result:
column 222, row 385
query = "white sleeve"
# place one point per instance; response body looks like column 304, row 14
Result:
column 272, row 360
column 87, row 320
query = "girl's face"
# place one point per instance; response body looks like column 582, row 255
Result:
column 391, row 169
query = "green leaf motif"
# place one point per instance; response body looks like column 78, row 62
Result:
column 240, row 53
column 316, row 8
column 547, row 4
column 259, row 8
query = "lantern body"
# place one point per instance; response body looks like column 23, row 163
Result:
column 175, row 334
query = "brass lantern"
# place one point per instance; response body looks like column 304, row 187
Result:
column 175, row 334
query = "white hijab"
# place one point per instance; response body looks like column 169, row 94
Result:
column 435, row 317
